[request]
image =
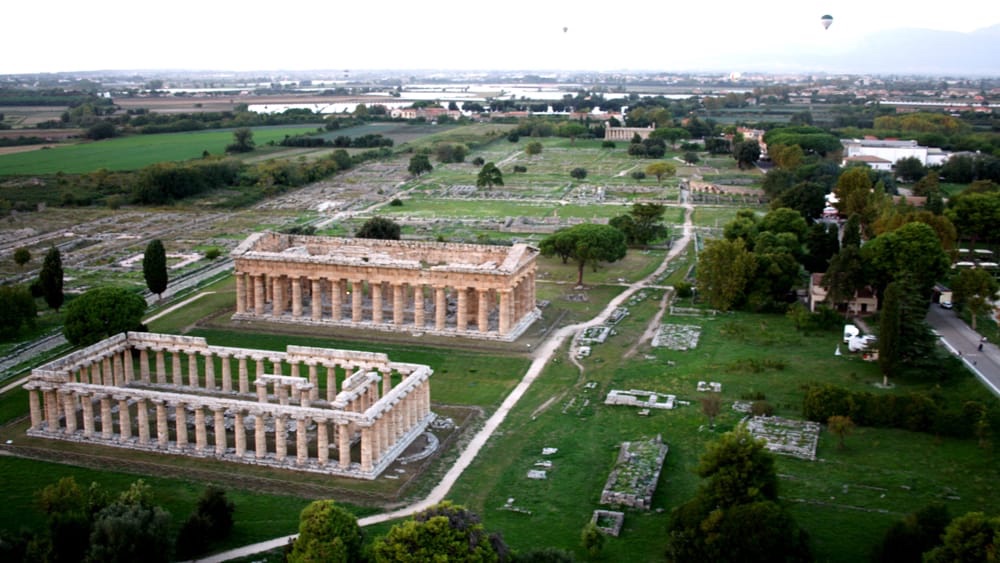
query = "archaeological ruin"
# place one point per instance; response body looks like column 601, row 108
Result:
column 469, row 290
column 150, row 392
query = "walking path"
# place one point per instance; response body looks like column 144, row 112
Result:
column 541, row 357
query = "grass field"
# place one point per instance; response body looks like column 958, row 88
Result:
column 130, row 153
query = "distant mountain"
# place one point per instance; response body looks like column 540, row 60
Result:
column 896, row 51
column 924, row 51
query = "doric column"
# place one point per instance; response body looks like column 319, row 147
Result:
column 95, row 373
column 462, row 318
column 69, row 411
column 107, row 422
column 107, row 372
column 227, row 374
column 356, row 294
column 261, row 367
column 200, row 434
column 175, row 365
column 322, row 441
column 260, row 436
column 51, row 403
column 366, row 448
column 258, row 294
column 219, row 428
column 280, row 437
column 142, row 420
column 418, row 305
column 301, row 444
column 144, row 365
column 244, row 375
column 87, row 412
column 331, row 382
column 398, row 306
column 278, row 302
column 336, row 293
column 483, row 310
column 209, row 369
column 129, row 370
column 162, row 430
column 239, row 433
column 376, row 290
column 316, row 309
column 440, row 308
column 35, row 407
column 281, row 390
column 261, row 386
column 504, row 311
column 241, row 293
column 124, row 418
column 161, row 367
column 193, row 368
column 386, row 380
column 117, row 369
column 296, row 297
column 314, row 381
column 180, row 425
column 344, row 443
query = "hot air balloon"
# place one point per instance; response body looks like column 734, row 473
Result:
column 827, row 20
column 565, row 29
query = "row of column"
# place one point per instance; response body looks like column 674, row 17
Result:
column 118, row 369
column 377, row 438
column 387, row 304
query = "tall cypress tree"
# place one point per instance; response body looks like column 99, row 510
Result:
column 890, row 321
column 51, row 278
column 154, row 267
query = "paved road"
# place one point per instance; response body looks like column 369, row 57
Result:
column 964, row 342
column 542, row 356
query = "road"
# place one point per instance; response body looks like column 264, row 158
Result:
column 964, row 342
column 541, row 357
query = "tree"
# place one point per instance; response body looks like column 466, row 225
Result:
column 643, row 224
column 69, row 512
column 327, row 532
column 975, row 289
column 821, row 246
column 578, row 173
column 17, row 310
column 154, row 267
column 102, row 312
column 856, row 196
column 131, row 529
column 691, row 157
column 889, row 332
column 242, row 141
column 710, row 407
column 970, row 537
column 670, row 134
column 638, row 175
column 845, row 275
column 660, row 169
column 738, row 469
column 975, row 215
column 910, row 169
column 51, row 278
column 746, row 153
column 419, row 163
column 724, row 268
column 533, row 148
column 592, row 539
column 379, row 228
column 786, row 157
column 912, row 250
column 101, row 130
column 444, row 532
column 572, row 129
column 22, row 256
column 841, row 426
column 489, row 176
column 586, row 243
column 906, row 540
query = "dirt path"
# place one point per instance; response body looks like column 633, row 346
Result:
column 543, row 354
column 651, row 328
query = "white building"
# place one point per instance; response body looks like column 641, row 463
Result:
column 893, row 151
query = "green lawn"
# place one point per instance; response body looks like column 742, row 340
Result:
column 134, row 152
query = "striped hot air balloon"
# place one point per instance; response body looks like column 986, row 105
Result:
column 827, row 20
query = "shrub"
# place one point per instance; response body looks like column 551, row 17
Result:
column 212, row 253
column 608, row 145
column 396, row 202
column 638, row 175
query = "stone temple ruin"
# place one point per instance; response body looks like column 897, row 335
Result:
column 470, row 290
column 119, row 392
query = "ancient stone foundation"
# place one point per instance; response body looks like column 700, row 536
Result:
column 468, row 290
column 338, row 412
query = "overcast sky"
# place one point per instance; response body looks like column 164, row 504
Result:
column 69, row 35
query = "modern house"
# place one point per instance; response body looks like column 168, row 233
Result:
column 864, row 301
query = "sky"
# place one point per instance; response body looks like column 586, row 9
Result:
column 70, row 35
